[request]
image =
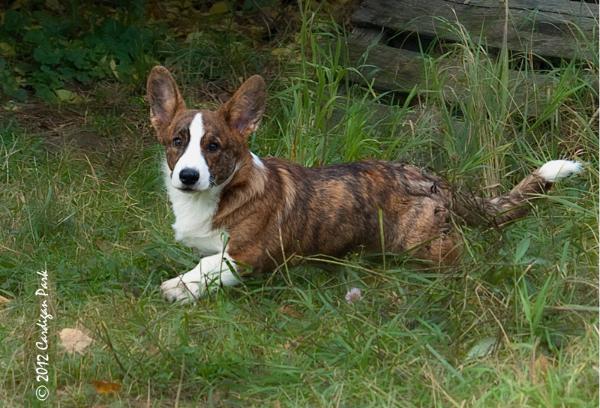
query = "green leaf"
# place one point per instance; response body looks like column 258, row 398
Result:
column 13, row 21
column 7, row 50
column 67, row 96
column 522, row 248
column 220, row 7
column 47, row 55
column 482, row 348
column 35, row 36
column 113, row 67
column 42, row 91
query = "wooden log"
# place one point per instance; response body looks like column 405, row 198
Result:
column 550, row 28
column 390, row 68
column 401, row 70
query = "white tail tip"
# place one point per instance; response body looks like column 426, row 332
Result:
column 555, row 170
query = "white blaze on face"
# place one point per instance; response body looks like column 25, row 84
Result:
column 193, row 158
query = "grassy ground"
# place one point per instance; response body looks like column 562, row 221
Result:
column 514, row 325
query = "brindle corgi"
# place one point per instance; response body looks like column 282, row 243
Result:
column 245, row 213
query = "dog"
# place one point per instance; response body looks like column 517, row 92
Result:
column 244, row 213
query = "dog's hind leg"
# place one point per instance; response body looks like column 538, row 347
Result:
column 210, row 273
column 429, row 235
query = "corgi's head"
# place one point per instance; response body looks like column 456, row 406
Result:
column 204, row 148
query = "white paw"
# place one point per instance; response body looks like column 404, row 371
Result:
column 211, row 273
column 178, row 290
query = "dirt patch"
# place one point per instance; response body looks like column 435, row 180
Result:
column 104, row 114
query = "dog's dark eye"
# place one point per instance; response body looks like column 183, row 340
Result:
column 177, row 141
column 212, row 147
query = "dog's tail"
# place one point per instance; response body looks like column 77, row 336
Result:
column 500, row 210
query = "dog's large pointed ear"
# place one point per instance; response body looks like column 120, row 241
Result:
column 245, row 109
column 164, row 98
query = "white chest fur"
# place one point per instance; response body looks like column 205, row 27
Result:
column 193, row 218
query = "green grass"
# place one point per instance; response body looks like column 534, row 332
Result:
column 514, row 325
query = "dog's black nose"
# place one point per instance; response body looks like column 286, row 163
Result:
column 189, row 176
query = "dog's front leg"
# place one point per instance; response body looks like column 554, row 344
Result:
column 212, row 272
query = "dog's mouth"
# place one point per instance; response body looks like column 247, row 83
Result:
column 188, row 190
column 191, row 189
